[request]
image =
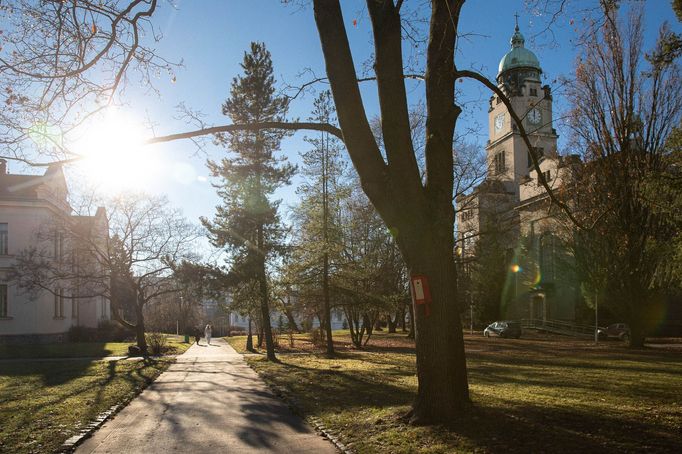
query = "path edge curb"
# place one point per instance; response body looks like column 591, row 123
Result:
column 74, row 441
column 292, row 403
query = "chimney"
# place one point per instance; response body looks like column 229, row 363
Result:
column 3, row 166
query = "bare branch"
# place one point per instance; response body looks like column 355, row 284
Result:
column 289, row 126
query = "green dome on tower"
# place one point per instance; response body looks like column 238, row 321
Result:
column 518, row 56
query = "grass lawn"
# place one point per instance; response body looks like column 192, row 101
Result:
column 81, row 349
column 538, row 394
column 43, row 404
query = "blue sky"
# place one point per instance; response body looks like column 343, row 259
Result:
column 210, row 36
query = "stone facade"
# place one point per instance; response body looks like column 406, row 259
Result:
column 511, row 202
column 30, row 204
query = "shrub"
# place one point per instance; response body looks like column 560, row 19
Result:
column 156, row 343
column 113, row 332
column 237, row 331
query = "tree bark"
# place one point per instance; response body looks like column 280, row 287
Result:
column 443, row 392
column 140, row 329
column 392, row 324
column 403, row 324
column 264, row 305
column 637, row 318
column 293, row 326
column 249, row 338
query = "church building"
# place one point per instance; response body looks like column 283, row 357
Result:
column 511, row 203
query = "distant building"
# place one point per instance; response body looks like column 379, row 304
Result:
column 279, row 320
column 511, row 203
column 30, row 204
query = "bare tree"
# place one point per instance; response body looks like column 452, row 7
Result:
column 623, row 113
column 130, row 268
column 51, row 58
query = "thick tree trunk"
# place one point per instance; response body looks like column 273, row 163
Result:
column 293, row 326
column 249, row 338
column 140, row 329
column 392, row 324
column 636, row 323
column 637, row 336
column 443, row 392
column 403, row 323
column 264, row 306
column 368, row 326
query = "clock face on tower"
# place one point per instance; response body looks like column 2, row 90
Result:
column 535, row 116
column 499, row 122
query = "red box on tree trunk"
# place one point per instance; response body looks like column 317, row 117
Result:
column 421, row 295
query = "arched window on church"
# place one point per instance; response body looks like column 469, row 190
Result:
column 547, row 257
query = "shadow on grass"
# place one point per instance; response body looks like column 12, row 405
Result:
column 47, row 402
column 50, row 373
column 528, row 428
column 59, row 350
column 529, row 417
column 329, row 388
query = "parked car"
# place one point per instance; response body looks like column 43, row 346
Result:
column 503, row 329
column 619, row 331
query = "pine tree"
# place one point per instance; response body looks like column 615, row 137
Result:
column 247, row 221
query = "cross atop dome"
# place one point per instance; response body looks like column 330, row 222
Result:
column 517, row 39
column 518, row 56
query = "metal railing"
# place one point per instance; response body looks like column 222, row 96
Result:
column 559, row 327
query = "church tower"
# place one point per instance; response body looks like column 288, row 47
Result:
column 507, row 154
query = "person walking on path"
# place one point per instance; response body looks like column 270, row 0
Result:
column 183, row 411
column 207, row 333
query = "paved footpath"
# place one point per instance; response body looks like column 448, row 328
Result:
column 209, row 401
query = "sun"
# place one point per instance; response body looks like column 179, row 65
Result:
column 114, row 158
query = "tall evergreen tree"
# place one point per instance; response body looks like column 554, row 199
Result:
column 247, row 221
column 317, row 214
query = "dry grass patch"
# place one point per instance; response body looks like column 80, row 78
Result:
column 42, row 404
column 540, row 394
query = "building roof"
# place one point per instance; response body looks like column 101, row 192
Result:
column 85, row 224
column 19, row 185
column 26, row 186
column 518, row 56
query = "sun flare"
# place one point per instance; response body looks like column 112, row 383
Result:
column 114, row 157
